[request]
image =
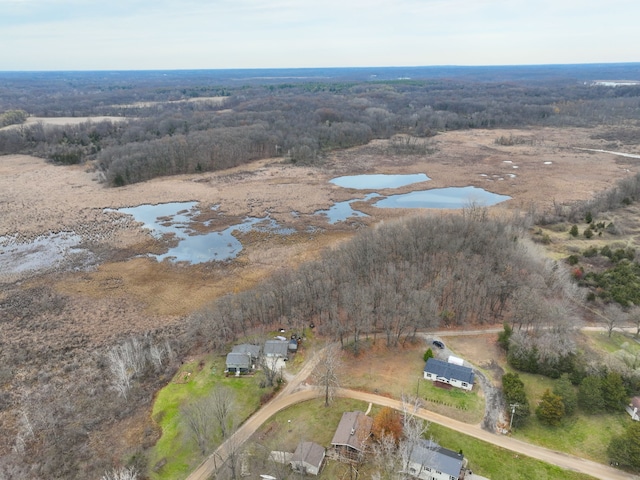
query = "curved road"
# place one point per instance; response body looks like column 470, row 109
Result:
column 296, row 391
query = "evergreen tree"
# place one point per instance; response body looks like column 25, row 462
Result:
column 614, row 394
column 625, row 449
column 514, row 394
column 590, row 395
column 550, row 409
column 567, row 392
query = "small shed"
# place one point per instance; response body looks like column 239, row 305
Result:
column 308, row 458
column 455, row 360
column 293, row 345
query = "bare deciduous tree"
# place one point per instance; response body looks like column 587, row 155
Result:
column 327, row 374
column 209, row 415
column 123, row 473
column 612, row 317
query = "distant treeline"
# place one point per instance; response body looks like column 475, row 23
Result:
column 299, row 121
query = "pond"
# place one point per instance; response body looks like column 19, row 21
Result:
column 341, row 211
column 176, row 219
column 451, row 197
column 377, row 181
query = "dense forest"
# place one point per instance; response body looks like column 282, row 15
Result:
column 204, row 126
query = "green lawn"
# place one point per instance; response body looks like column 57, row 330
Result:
column 464, row 406
column 580, row 434
column 497, row 463
column 175, row 449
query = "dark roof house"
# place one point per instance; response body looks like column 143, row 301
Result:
column 276, row 348
column 308, row 458
column 253, row 350
column 352, row 434
column 238, row 362
column 450, row 373
column 428, row 461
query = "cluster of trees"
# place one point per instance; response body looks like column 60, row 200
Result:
column 394, row 280
column 300, row 121
column 12, row 117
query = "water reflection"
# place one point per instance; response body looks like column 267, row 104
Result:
column 452, row 197
column 377, row 181
column 341, row 211
column 176, row 220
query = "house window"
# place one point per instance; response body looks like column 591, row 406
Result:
column 464, row 384
column 412, row 471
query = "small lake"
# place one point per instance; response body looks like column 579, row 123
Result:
column 378, row 181
column 451, row 197
column 176, row 219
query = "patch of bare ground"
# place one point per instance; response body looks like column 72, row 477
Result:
column 482, row 351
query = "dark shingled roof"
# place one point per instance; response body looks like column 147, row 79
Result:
column 309, row 452
column 432, row 455
column 354, row 430
column 253, row 350
column 238, row 360
column 449, row 370
column 276, row 348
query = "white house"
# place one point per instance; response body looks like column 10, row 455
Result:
column 430, row 461
column 449, row 373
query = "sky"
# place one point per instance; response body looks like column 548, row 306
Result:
column 192, row 34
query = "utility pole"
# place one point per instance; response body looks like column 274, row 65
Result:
column 513, row 411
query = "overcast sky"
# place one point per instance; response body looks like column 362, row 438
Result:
column 186, row 34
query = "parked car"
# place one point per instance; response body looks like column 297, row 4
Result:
column 438, row 343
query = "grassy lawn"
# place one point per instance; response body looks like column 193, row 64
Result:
column 497, row 463
column 586, row 436
column 399, row 371
column 464, row 406
column 618, row 341
column 175, row 449
column 581, row 435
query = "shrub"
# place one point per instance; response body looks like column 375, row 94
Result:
column 550, row 410
column 572, row 259
column 590, row 252
column 427, row 355
column 588, row 217
column 588, row 233
column 574, row 231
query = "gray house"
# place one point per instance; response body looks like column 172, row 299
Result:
column 430, row 461
column 308, row 458
column 238, row 363
column 252, row 350
column 276, row 348
column 449, row 373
